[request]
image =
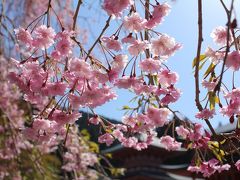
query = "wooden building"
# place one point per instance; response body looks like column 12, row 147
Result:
column 156, row 163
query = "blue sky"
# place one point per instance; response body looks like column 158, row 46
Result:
column 181, row 24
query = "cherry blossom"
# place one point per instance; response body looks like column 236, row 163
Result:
column 137, row 47
column 150, row 65
column 214, row 56
column 167, row 78
column 205, row 114
column 115, row 8
column 209, row 85
column 237, row 164
column 159, row 117
column 95, row 120
column 170, row 143
column 57, row 73
column 106, row 138
column 219, row 35
column 233, row 61
column 134, row 22
column 183, row 132
column 24, row 36
column 164, row 46
column 43, row 37
column 112, row 43
column 208, row 168
column 159, row 12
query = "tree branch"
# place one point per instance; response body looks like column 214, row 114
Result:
column 99, row 37
column 196, row 75
column 229, row 14
column 76, row 15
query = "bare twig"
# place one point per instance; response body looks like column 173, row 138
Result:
column 99, row 37
column 196, row 75
column 76, row 15
column 200, row 39
column 229, row 15
column 146, row 31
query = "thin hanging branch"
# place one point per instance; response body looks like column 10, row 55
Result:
column 196, row 75
column 99, row 37
column 76, row 14
column 229, row 15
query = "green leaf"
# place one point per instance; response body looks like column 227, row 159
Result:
column 202, row 57
column 125, row 107
column 155, row 79
column 219, row 153
column 213, row 99
column 210, row 68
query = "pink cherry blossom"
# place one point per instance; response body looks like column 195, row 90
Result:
column 144, row 89
column 164, row 46
column 112, row 43
column 128, row 82
column 219, row 35
column 209, row 85
column 128, row 39
column 150, row 65
column 64, row 47
column 113, row 74
column 106, row 138
column 207, row 169
column 214, row 56
column 54, row 89
column 119, row 62
column 97, row 96
column 138, row 47
column 233, row 60
column 237, row 164
column 129, row 120
column 170, row 143
column 159, row 116
column 63, row 118
column 115, row 8
column 231, row 109
column 43, row 37
column 94, row 120
column 103, row 77
column 161, row 10
column 172, row 94
column 118, row 134
column 167, row 78
column 74, row 101
column 134, row 22
column 224, row 167
column 234, row 105
column 79, row 68
column 183, row 132
column 56, row 55
column 23, row 36
column 64, row 44
column 130, row 142
column 158, row 14
column 195, row 169
column 233, row 95
column 205, row 114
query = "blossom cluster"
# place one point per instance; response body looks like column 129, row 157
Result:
column 58, row 76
